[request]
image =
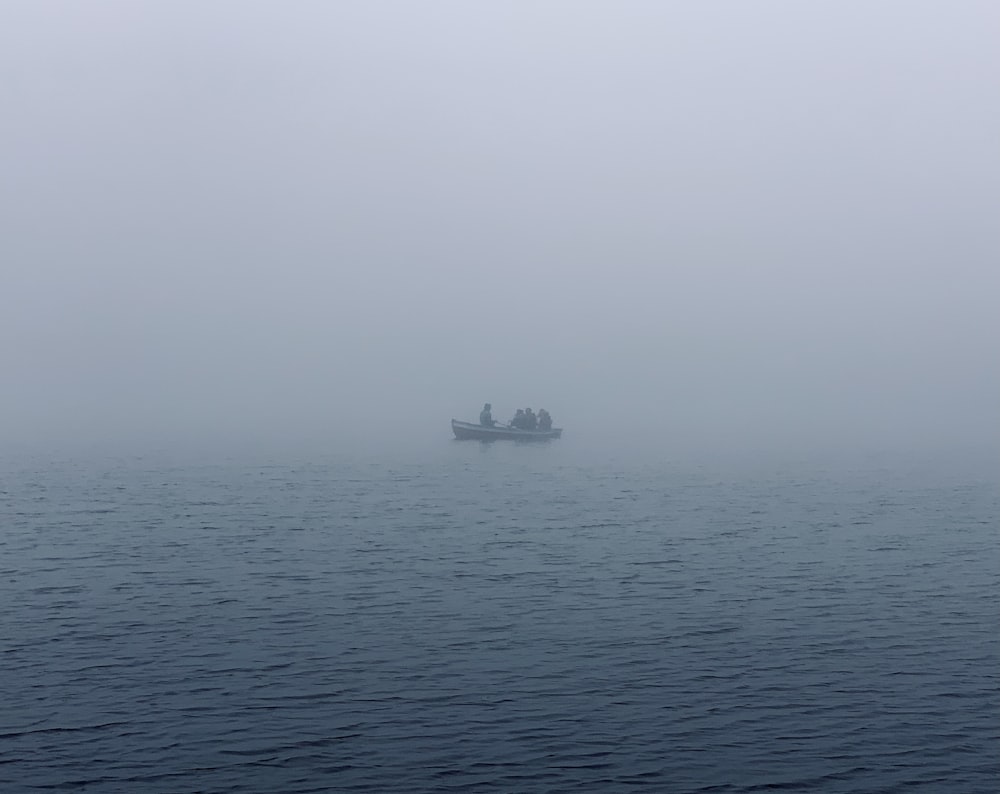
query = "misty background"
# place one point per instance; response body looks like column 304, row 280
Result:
column 728, row 224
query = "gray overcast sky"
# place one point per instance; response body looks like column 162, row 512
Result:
column 746, row 223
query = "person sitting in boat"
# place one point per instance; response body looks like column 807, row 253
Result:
column 518, row 421
column 486, row 416
column 530, row 420
column 544, row 420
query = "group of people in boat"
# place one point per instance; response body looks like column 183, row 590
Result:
column 524, row 419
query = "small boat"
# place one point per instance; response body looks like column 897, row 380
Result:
column 466, row 430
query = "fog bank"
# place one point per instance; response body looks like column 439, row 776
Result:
column 344, row 224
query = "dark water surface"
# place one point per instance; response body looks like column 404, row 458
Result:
column 502, row 618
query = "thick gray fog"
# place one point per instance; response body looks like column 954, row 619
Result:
column 746, row 224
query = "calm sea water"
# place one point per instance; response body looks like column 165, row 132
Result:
column 498, row 618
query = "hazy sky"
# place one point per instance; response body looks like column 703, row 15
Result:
column 730, row 222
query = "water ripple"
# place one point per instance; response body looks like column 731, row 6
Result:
column 498, row 622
